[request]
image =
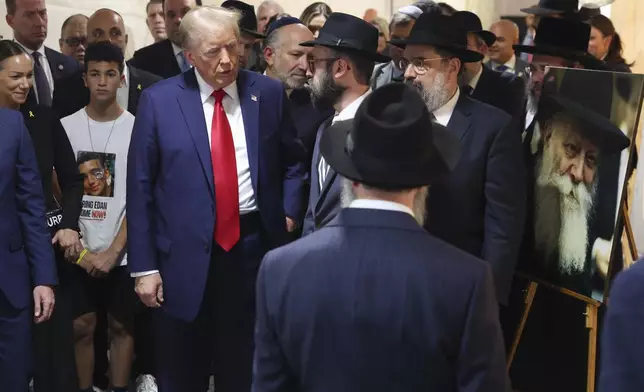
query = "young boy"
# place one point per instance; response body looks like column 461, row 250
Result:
column 100, row 136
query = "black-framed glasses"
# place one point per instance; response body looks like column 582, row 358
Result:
column 75, row 41
column 312, row 62
column 97, row 173
column 419, row 65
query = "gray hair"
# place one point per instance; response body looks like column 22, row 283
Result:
column 400, row 19
column 201, row 22
column 271, row 4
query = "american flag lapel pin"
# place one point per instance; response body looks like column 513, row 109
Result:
column 253, row 97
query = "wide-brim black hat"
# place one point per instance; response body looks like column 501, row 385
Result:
column 440, row 31
column 588, row 96
column 472, row 23
column 391, row 143
column 565, row 38
column 549, row 7
column 248, row 21
column 345, row 32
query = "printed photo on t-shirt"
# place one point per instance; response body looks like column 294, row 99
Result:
column 99, row 171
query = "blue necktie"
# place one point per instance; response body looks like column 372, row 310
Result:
column 183, row 62
column 502, row 68
column 42, row 84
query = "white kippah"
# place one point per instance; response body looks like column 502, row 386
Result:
column 410, row 10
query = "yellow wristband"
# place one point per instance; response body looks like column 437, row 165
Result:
column 80, row 257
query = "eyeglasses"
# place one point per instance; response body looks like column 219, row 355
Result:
column 76, row 41
column 419, row 65
column 97, row 173
column 312, row 62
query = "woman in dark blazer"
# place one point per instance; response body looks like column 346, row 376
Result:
column 54, row 365
column 606, row 44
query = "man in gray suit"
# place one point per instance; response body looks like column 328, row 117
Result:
column 401, row 23
column 501, row 52
column 340, row 66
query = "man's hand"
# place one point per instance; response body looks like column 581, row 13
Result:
column 102, row 262
column 150, row 289
column 66, row 238
column 43, row 303
column 290, row 225
column 72, row 253
column 601, row 254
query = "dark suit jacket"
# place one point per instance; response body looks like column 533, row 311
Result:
column 72, row 95
column 54, row 150
column 505, row 91
column 26, row 254
column 171, row 188
column 61, row 66
column 622, row 347
column 481, row 207
column 372, row 302
column 324, row 202
column 158, row 59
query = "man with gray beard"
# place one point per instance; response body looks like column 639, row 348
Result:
column 480, row 207
column 340, row 67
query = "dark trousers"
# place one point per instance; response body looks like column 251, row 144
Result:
column 221, row 336
column 54, row 361
column 15, row 346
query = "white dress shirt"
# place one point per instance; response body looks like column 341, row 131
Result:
column 444, row 113
column 346, row 114
column 475, row 79
column 380, row 205
column 45, row 66
column 123, row 92
column 232, row 107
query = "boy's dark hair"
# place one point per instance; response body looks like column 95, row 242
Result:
column 86, row 156
column 104, row 52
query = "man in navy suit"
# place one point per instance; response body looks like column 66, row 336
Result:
column 340, row 68
column 26, row 254
column 213, row 183
column 621, row 345
column 480, row 208
column 372, row 302
column 28, row 20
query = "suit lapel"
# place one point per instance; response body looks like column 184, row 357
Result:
column 57, row 68
column 330, row 177
column 134, row 90
column 460, row 122
column 189, row 101
column 250, row 100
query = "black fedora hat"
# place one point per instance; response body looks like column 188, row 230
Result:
column 549, row 7
column 588, row 97
column 440, row 31
column 248, row 21
column 391, row 143
column 347, row 33
column 472, row 23
column 566, row 38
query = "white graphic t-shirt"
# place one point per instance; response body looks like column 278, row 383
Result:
column 101, row 153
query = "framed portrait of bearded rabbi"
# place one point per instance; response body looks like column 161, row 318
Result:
column 579, row 158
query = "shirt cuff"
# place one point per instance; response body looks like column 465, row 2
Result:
column 145, row 273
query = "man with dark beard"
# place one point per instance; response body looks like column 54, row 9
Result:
column 480, row 208
column 340, row 67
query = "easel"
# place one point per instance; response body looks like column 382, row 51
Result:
column 592, row 308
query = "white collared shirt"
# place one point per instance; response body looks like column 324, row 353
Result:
column 347, row 113
column 444, row 113
column 510, row 64
column 123, row 92
column 475, row 79
column 232, row 107
column 380, row 205
column 45, row 66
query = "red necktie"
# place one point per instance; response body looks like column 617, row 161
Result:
column 224, row 167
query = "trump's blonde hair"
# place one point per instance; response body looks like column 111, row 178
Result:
column 201, row 22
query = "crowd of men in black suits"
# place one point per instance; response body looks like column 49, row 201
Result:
column 347, row 307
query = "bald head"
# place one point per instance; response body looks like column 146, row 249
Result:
column 73, row 37
column 507, row 34
column 266, row 10
column 107, row 25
